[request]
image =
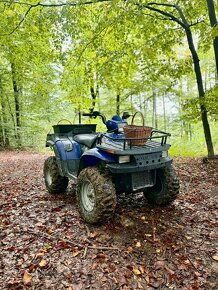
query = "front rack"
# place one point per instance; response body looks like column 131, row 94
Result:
column 157, row 140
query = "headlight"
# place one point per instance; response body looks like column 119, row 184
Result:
column 124, row 159
column 164, row 153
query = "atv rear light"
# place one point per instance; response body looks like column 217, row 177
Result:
column 124, row 159
column 164, row 153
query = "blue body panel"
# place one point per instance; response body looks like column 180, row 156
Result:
column 68, row 149
column 92, row 156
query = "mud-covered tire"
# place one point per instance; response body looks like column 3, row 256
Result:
column 166, row 188
column 96, row 195
column 55, row 183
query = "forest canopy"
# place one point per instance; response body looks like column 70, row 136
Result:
column 60, row 58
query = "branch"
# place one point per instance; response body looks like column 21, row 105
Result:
column 21, row 21
column 53, row 5
column 156, row 17
column 149, row 6
column 196, row 23
column 45, row 5
column 183, row 23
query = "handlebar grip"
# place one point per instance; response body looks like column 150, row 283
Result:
column 87, row 114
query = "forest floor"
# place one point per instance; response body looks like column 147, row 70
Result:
column 44, row 244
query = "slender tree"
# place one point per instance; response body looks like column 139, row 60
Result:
column 17, row 97
column 214, row 24
column 182, row 21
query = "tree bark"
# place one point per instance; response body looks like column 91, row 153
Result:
column 94, row 95
column 118, row 104
column 201, row 93
column 213, row 23
column 154, row 115
column 164, row 112
column 190, row 132
column 4, row 120
column 17, row 93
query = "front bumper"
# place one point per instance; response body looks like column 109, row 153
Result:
column 140, row 163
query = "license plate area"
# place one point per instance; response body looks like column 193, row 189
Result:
column 142, row 180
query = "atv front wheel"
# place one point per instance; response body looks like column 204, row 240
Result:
column 96, row 195
column 166, row 188
column 55, row 183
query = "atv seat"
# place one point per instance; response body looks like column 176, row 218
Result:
column 86, row 139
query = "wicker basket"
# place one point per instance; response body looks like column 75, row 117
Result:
column 139, row 132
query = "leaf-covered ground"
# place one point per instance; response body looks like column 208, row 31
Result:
column 44, row 244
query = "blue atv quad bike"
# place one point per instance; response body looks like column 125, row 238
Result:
column 107, row 164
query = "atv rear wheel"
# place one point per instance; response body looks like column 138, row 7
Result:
column 166, row 188
column 55, row 183
column 96, row 195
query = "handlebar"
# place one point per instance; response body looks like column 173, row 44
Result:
column 94, row 115
column 87, row 114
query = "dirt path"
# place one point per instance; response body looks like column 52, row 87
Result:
column 44, row 244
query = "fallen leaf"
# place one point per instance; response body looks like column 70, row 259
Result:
column 140, row 286
column 129, row 249
column 187, row 262
column 43, row 250
column 40, row 255
column 136, row 271
column 42, row 263
column 215, row 257
column 27, row 278
column 142, row 269
column 76, row 253
column 138, row 245
column 94, row 266
column 93, row 235
column 50, row 231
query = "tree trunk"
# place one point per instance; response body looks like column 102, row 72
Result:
column 131, row 104
column 190, row 132
column 2, row 133
column 201, row 93
column 164, row 113
column 17, row 94
column 94, row 95
column 4, row 120
column 213, row 23
column 154, row 116
column 145, row 105
column 118, row 104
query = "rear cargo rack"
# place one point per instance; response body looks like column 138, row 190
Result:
column 157, row 141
